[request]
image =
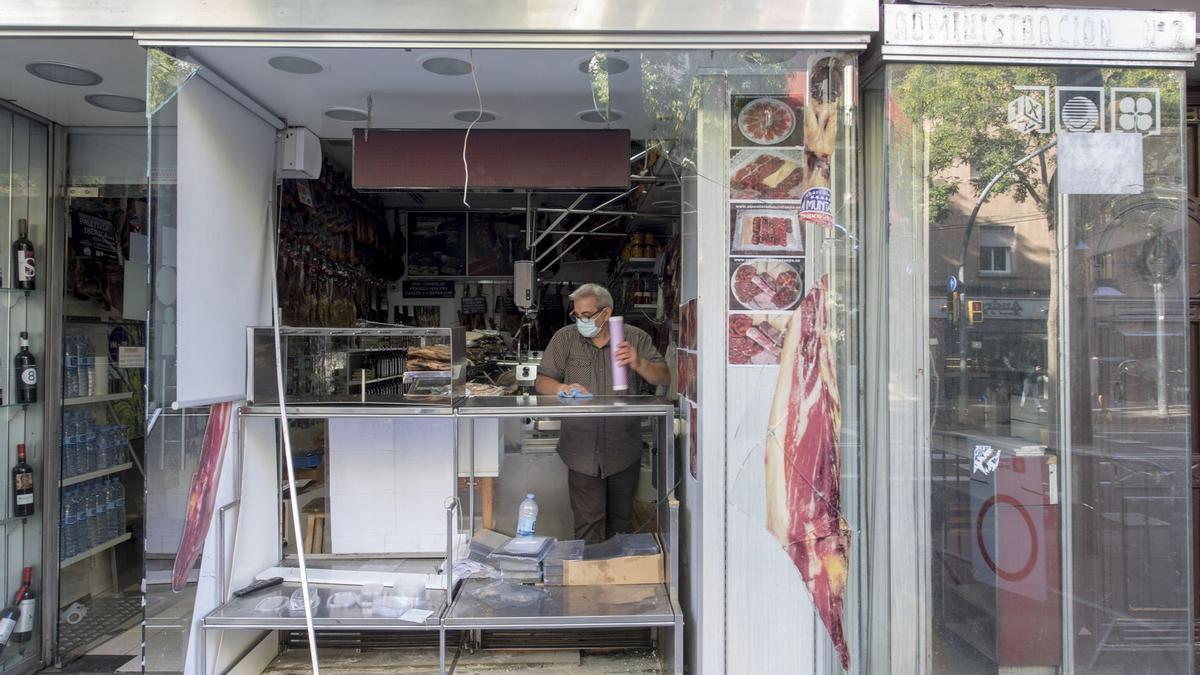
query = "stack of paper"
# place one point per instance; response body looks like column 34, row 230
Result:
column 520, row 558
column 552, row 566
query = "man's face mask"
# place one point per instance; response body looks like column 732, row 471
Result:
column 587, row 325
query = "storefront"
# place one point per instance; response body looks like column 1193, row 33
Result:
column 771, row 201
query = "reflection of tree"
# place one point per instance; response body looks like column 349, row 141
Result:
column 165, row 75
column 965, row 108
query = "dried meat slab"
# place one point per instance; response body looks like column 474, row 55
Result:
column 203, row 494
column 803, row 463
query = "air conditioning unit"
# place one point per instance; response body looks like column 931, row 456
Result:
column 301, row 154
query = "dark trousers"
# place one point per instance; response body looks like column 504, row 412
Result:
column 603, row 506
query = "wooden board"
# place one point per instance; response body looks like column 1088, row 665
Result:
column 639, row 569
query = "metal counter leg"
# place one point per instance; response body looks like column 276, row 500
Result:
column 442, row 651
column 203, row 651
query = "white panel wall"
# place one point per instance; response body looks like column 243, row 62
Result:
column 226, row 158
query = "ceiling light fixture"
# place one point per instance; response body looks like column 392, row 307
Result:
column 63, row 73
column 769, row 57
column 295, row 65
column 612, row 64
column 116, row 102
column 346, row 114
column 448, row 66
column 469, row 116
column 600, row 116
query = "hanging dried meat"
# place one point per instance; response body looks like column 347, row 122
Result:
column 820, row 138
column 203, row 494
column 803, row 464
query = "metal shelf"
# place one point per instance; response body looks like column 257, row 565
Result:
column 85, row 477
column 356, row 383
column 67, row 562
column 102, row 398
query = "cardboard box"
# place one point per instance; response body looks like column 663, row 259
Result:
column 634, row 569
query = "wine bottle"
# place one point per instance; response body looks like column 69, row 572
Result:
column 8, row 619
column 27, row 377
column 27, row 606
column 24, row 268
column 22, row 475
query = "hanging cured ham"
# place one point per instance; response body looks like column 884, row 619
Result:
column 203, row 494
column 803, row 464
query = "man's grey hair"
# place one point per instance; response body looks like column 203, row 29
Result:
column 600, row 293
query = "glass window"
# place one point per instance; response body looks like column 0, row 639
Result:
column 1052, row 462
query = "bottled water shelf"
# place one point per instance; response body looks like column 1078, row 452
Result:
column 94, row 550
column 102, row 398
column 83, row 478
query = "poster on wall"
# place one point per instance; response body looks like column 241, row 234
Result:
column 494, row 241
column 756, row 339
column 766, row 120
column 765, row 284
column 687, row 325
column 766, row 231
column 775, row 174
column 437, row 244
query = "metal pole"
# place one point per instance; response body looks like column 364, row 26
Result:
column 557, row 220
column 568, row 249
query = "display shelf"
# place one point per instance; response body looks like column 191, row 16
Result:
column 565, row 607
column 102, row 398
column 241, row 613
column 100, row 473
column 638, row 266
column 18, row 291
column 67, row 562
column 355, row 383
column 645, row 306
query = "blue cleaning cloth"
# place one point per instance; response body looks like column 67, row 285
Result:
column 575, row 393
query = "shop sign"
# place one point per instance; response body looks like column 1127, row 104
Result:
column 428, row 288
column 93, row 237
column 1038, row 28
column 999, row 308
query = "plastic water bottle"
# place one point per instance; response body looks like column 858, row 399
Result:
column 70, row 523
column 527, row 517
column 111, row 528
column 71, row 430
column 104, row 445
column 70, row 377
column 87, row 379
column 119, row 503
column 91, row 532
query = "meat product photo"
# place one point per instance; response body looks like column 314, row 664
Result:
column 803, row 463
column 203, row 494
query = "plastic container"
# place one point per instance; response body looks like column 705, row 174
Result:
column 527, row 515
column 272, row 605
column 370, row 593
column 616, row 335
column 296, row 602
column 391, row 606
column 343, row 604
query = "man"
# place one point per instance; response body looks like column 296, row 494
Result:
column 603, row 455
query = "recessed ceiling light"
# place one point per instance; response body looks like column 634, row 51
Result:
column 769, row 56
column 600, row 116
column 612, row 64
column 473, row 115
column 346, row 114
column 63, row 73
column 295, row 65
column 445, row 65
column 116, row 103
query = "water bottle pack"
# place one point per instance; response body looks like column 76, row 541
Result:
column 92, row 513
column 89, row 446
column 79, row 377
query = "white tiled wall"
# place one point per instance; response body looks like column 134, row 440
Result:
column 388, row 484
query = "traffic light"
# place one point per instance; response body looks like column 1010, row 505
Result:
column 974, row 311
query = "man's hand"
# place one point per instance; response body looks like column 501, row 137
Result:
column 626, row 355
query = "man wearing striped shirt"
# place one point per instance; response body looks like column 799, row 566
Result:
column 603, row 454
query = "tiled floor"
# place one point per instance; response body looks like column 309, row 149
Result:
column 166, row 634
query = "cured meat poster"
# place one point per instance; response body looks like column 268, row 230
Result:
column 756, row 339
column 766, row 231
column 766, row 174
column 765, row 284
column 693, row 440
column 766, row 121
column 686, row 352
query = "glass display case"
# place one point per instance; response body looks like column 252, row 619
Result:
column 424, row 366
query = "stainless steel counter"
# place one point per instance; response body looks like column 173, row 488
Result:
column 554, row 406
column 242, row 613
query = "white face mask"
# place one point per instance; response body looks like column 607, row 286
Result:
column 587, row 327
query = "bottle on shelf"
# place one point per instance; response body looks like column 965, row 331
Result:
column 87, row 359
column 67, row 541
column 24, row 269
column 27, row 606
column 70, row 366
column 8, row 619
column 22, row 475
column 527, row 517
column 27, row 375
column 119, row 506
column 96, row 514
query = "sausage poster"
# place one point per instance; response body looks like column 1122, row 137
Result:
column 803, row 463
